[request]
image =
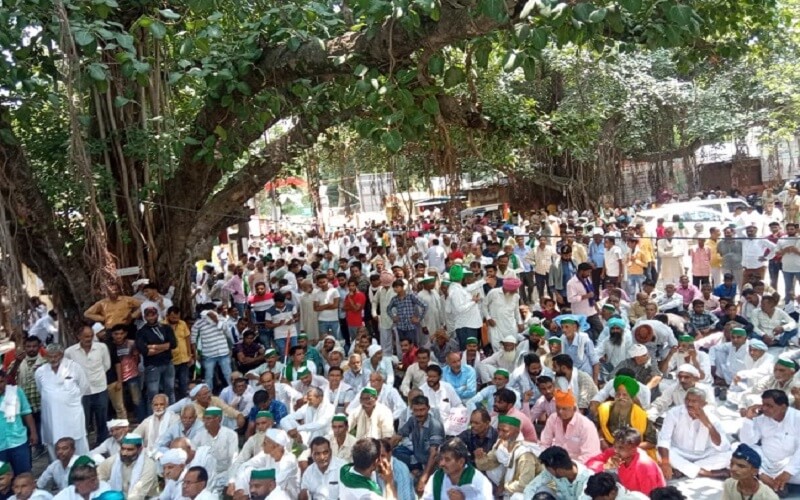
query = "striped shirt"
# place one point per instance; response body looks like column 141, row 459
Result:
column 210, row 338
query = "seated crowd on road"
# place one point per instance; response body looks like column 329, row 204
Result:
column 546, row 356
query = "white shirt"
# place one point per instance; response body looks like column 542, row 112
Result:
column 465, row 311
column 414, row 378
column 779, row 441
column 790, row 262
column 703, row 359
column 444, row 398
column 324, row 298
column 315, row 421
column 387, row 396
column 95, row 364
column 224, row 447
column 675, row 396
column 613, row 256
column 688, row 435
column 44, row 327
column 763, row 324
column 56, row 473
column 287, row 472
column 752, row 250
column 436, row 257
column 323, row 485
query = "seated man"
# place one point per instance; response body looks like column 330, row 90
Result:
column 607, row 393
column 624, row 412
column 310, row 420
column 692, row 441
column 56, row 474
column 130, row 471
column 512, row 463
column 480, row 434
column 387, row 395
column 118, row 428
column 604, row 485
column 729, row 357
column 783, row 378
column 24, row 488
column 688, row 377
column 321, row 479
column 453, row 472
column 645, row 369
column 636, row 470
column 485, row 396
column 688, row 353
column 151, row 428
column 426, row 435
column 85, row 481
column 569, row 429
column 568, row 477
column 773, row 430
column 544, row 406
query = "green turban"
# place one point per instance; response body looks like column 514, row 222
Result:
column 630, row 384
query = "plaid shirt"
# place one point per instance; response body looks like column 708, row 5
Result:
column 701, row 321
column 405, row 309
column 27, row 381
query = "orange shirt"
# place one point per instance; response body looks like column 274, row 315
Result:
column 115, row 312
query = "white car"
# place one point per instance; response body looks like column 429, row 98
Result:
column 689, row 215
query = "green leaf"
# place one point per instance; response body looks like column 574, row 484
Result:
column 293, row 43
column 360, row 71
column 392, row 140
column 169, row 14
column 436, row 65
column 528, row 8
column 482, row 55
column 598, row 15
column 582, row 11
column 97, row 72
column 494, row 9
column 680, row 15
column 431, row 106
column 539, row 38
column 453, row 76
column 511, row 62
column 7, row 137
column 191, row 141
column 221, row 133
column 158, row 30
column 83, row 38
column 522, row 32
column 529, row 68
column 120, row 101
column 125, row 41
column 632, row 6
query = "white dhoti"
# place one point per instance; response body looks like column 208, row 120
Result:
column 771, row 468
column 690, row 462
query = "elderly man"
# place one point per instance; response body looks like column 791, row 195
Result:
column 783, row 377
column 307, row 380
column 692, row 441
column 173, row 463
column 613, row 345
column 485, row 396
column 687, row 353
column 62, row 383
column 321, row 479
column 188, row 426
column 645, row 368
column 729, row 357
column 462, row 377
column 204, row 399
column 223, row 442
column 156, row 424
column 688, row 378
column 773, row 430
column 111, row 446
column 196, row 485
column 387, row 395
column 578, row 345
column 374, row 419
column 569, row 429
column 264, row 420
column 274, row 454
column 504, row 357
column 196, row 456
column 377, row 363
column 671, row 251
column 310, row 420
column 131, row 471
column 512, row 463
column 501, row 309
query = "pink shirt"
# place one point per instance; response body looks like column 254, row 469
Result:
column 643, row 474
column 580, row 439
column 701, row 261
column 575, row 289
column 542, row 407
column 689, row 293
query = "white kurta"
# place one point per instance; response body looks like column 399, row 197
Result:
column 224, row 447
column 62, row 411
column 689, row 444
column 287, row 472
column 435, row 318
column 728, row 360
column 779, row 443
column 504, row 310
column 310, row 422
column 323, row 485
column 69, row 492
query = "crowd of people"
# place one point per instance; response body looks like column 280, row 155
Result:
column 545, row 356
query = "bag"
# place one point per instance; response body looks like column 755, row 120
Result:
column 457, row 422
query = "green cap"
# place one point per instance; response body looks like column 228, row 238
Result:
column 505, row 419
column 134, row 439
column 739, row 332
column 270, row 352
column 537, row 330
column 446, row 282
column 340, row 417
column 554, row 340
column 502, row 373
column 5, row 468
column 302, row 372
column 788, row 363
column 369, row 390
column 609, row 307
column 425, row 281
column 472, row 340
column 265, row 414
column 686, row 338
column 568, row 321
column 213, row 411
column 83, row 460
column 302, row 336
column 630, row 384
column 262, row 474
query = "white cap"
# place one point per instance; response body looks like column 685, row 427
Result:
column 140, row 282
column 174, row 456
column 277, row 436
column 196, row 390
column 509, row 339
column 690, row 369
column 597, row 230
column 637, row 350
column 97, row 328
column 373, row 350
column 117, row 422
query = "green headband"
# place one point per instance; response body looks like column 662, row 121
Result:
column 5, row 468
column 302, row 336
column 270, row 352
column 568, row 321
column 609, row 307
column 213, row 411
column 262, row 474
column 265, row 414
column 739, row 332
column 554, row 340
column 788, row 363
column 302, row 372
column 340, row 418
column 686, row 338
column 505, row 419
column 537, row 330
column 134, row 439
column 369, row 390
column 502, row 373
column 472, row 340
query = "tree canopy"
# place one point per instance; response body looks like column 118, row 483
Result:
column 133, row 131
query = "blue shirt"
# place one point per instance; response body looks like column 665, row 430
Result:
column 590, row 357
column 403, row 482
column 725, row 291
column 597, row 254
column 277, row 409
column 13, row 434
column 521, row 252
column 465, row 382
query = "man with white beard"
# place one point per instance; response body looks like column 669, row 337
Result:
column 613, row 347
column 174, row 464
column 505, row 358
column 157, row 424
column 501, row 309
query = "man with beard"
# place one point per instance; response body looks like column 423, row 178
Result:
column 441, row 395
column 486, row 395
column 474, row 357
column 688, row 378
column 644, row 368
column 613, row 348
column 321, row 479
column 511, row 464
column 156, row 424
column 505, row 358
column 579, row 382
column 534, row 342
column 523, row 378
column 505, row 404
column 131, row 471
column 501, row 310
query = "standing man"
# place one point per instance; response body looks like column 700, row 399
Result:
column 614, row 269
column 755, row 253
column 502, row 312
column 543, row 256
column 16, row 439
column 62, row 384
column 115, row 309
column 434, row 319
column 597, row 257
column 789, row 250
column 24, row 370
column 671, row 251
column 155, row 342
column 210, row 340
column 526, row 257
column 730, row 250
column 582, row 297
column 407, row 311
column 95, row 360
column 182, row 354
